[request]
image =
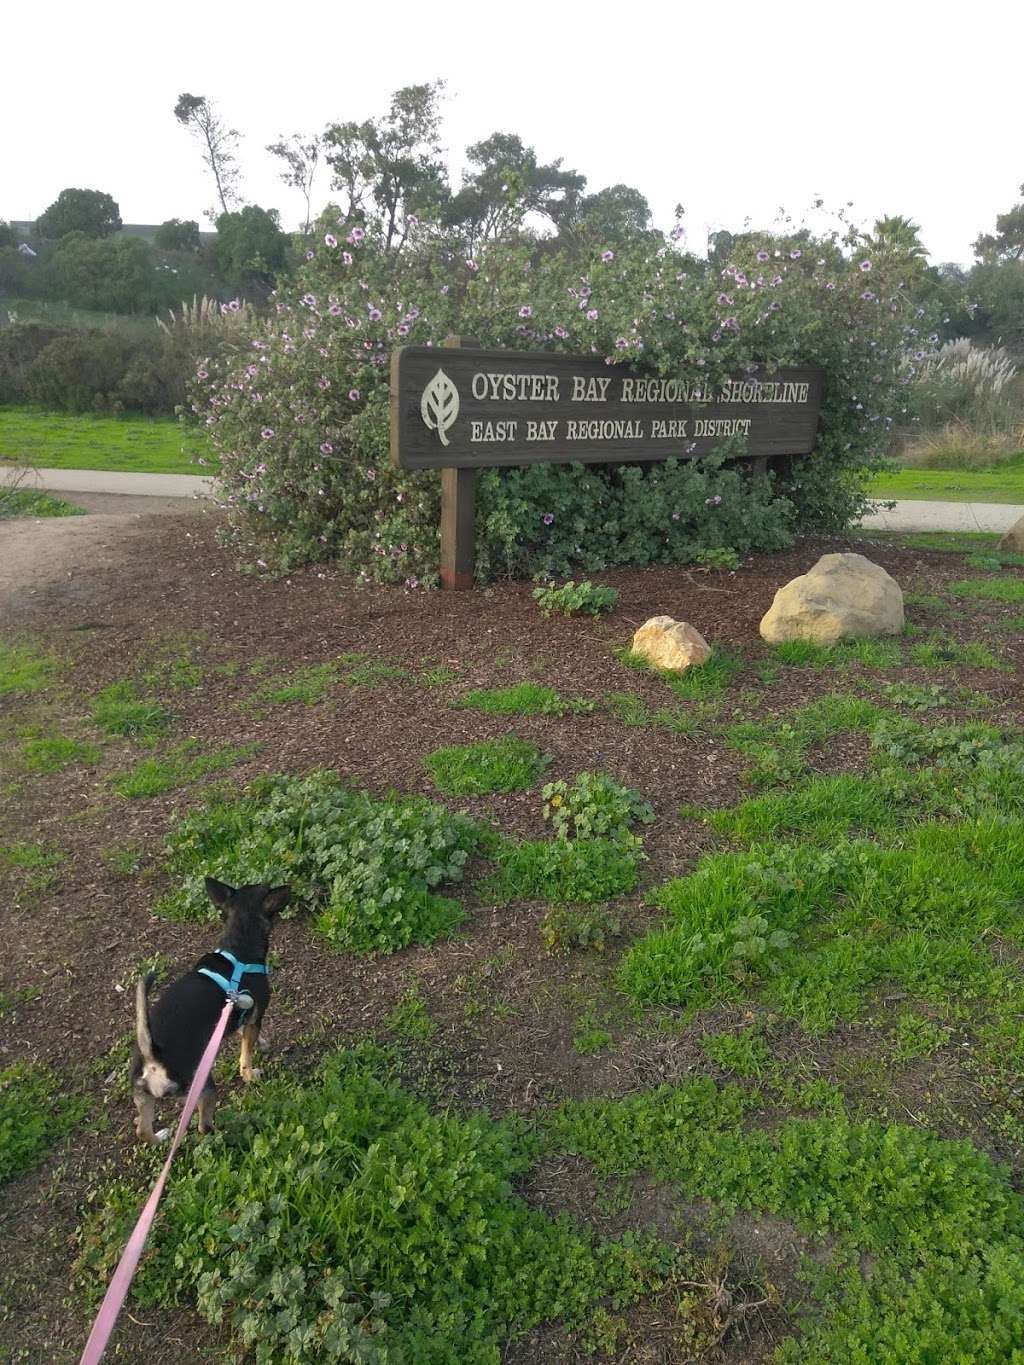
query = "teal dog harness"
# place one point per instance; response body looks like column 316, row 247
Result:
column 242, row 1000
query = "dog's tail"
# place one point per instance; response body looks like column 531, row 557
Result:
column 142, row 1034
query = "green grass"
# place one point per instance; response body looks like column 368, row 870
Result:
column 30, row 502
column 990, row 589
column 925, row 1236
column 309, row 685
column 140, row 445
column 522, row 699
column 35, row 1111
column 867, row 653
column 24, row 669
column 365, row 671
column 699, row 682
column 52, row 754
column 178, row 768
column 1004, row 483
column 495, row 765
column 119, row 710
column 562, row 873
column 942, row 651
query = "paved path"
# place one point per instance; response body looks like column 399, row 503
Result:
column 946, row 516
column 905, row 516
column 109, row 481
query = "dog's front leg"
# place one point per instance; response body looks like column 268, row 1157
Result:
column 250, row 1038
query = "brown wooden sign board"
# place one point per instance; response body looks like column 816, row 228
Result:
column 476, row 409
column 463, row 408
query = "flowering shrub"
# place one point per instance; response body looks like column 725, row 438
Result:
column 301, row 425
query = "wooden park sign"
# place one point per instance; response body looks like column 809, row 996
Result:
column 462, row 408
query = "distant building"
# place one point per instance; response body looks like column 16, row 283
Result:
column 147, row 231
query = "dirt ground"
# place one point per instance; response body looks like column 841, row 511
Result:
column 102, row 592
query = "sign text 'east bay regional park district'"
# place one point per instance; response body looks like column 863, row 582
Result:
column 458, row 409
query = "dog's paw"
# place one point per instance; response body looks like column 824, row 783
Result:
column 161, row 1135
column 250, row 1074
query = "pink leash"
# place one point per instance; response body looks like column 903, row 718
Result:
column 117, row 1290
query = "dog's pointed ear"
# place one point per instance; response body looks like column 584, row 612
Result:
column 219, row 892
column 276, row 899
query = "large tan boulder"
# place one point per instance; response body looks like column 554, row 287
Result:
column 1013, row 541
column 669, row 644
column 842, row 597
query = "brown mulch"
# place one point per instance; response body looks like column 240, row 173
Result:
column 505, row 1010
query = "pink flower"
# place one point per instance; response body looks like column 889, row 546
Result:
column 548, row 518
column 403, row 329
column 561, row 332
column 353, row 395
column 335, row 310
column 357, row 234
column 621, row 344
column 309, row 300
column 330, row 239
column 730, row 325
column 323, row 382
column 374, row 313
column 526, row 311
column 607, row 256
column 310, row 256
column 202, row 373
column 472, row 265
column 795, row 255
column 592, row 315
column 762, row 255
column 724, row 300
column 267, row 433
column 346, row 258
column 326, row 448
column 412, row 220
column 867, row 295
column 865, row 265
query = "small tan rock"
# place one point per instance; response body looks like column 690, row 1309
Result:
column 670, row 644
column 1013, row 541
column 841, row 597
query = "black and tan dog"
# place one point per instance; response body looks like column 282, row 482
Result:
column 172, row 1036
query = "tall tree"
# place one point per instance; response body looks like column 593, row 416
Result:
column 301, row 156
column 612, row 215
column 506, row 182
column 250, row 245
column 89, row 211
column 390, row 167
column 1007, row 242
column 897, row 236
column 218, row 141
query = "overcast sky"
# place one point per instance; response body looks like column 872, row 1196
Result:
column 731, row 109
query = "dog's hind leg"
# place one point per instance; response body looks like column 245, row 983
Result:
column 250, row 1038
column 207, row 1108
column 145, row 1107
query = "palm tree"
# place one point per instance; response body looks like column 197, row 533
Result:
column 896, row 235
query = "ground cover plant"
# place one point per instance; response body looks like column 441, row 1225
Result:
column 572, row 597
column 703, row 1061
column 31, row 502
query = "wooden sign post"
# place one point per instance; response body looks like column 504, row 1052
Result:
column 461, row 409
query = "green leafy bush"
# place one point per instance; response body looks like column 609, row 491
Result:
column 595, row 806
column 301, row 424
column 342, row 1221
column 367, row 867
column 575, row 597
column 494, row 765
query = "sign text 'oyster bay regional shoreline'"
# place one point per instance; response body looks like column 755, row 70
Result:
column 467, row 408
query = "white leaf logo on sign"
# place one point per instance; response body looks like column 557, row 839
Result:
column 439, row 405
